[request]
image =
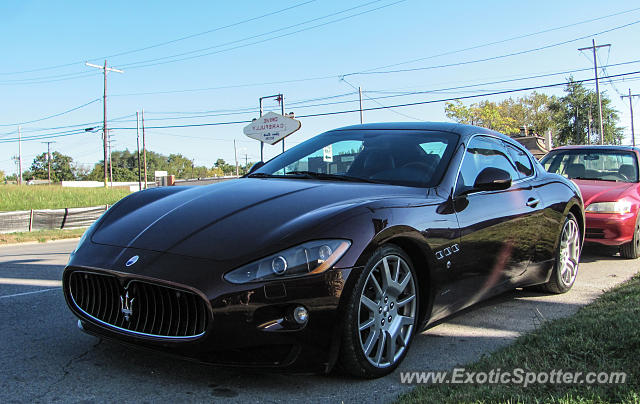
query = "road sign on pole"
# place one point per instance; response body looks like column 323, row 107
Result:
column 271, row 128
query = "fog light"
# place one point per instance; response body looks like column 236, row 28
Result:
column 300, row 315
column 279, row 265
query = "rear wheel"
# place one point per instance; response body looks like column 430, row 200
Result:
column 381, row 315
column 565, row 270
column 631, row 250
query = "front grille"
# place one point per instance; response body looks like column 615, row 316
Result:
column 142, row 307
column 592, row 232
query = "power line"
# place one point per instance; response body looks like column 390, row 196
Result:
column 150, row 62
column 52, row 116
column 300, row 103
column 370, row 71
column 504, row 40
column 83, row 125
column 163, row 43
column 41, row 137
column 467, row 62
column 394, row 106
column 621, row 75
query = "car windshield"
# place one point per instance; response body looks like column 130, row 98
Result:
column 409, row 158
column 593, row 164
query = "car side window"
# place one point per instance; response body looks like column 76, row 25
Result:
column 483, row 152
column 521, row 160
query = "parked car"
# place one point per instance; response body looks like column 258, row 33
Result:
column 340, row 250
column 608, row 179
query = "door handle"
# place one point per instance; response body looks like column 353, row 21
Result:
column 533, row 202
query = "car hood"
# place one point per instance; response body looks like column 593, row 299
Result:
column 220, row 221
column 603, row 191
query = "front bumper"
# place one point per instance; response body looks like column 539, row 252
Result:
column 609, row 228
column 249, row 325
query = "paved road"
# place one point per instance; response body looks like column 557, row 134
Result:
column 45, row 358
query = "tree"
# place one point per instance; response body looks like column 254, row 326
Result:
column 125, row 167
column 221, row 168
column 530, row 112
column 576, row 117
column 2, row 176
column 61, row 169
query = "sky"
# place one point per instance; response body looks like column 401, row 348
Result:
column 207, row 63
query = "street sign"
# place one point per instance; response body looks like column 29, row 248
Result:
column 271, row 128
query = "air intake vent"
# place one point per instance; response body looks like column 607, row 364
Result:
column 592, row 232
column 142, row 307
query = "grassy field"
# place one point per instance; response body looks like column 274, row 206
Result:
column 601, row 337
column 13, row 197
column 40, row 236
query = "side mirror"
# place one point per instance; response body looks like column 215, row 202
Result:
column 492, row 179
column 255, row 167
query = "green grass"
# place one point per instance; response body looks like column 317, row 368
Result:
column 602, row 337
column 13, row 197
column 40, row 236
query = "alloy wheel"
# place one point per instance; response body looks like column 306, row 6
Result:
column 387, row 312
column 569, row 252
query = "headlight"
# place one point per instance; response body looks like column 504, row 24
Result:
column 609, row 207
column 313, row 257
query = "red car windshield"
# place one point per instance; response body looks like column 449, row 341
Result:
column 593, row 164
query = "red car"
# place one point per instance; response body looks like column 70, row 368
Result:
column 608, row 179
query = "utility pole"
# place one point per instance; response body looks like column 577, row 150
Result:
column 49, row 159
column 235, row 153
column 110, row 163
column 281, row 101
column 360, row 97
column 19, row 177
column 17, row 162
column 590, row 123
column 138, row 143
column 595, row 68
column 245, row 161
column 633, row 135
column 144, row 151
column 105, row 69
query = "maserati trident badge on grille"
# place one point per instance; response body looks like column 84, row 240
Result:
column 132, row 260
column 126, row 306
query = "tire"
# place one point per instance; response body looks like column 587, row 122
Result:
column 371, row 345
column 631, row 250
column 565, row 269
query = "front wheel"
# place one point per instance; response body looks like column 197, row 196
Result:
column 631, row 249
column 381, row 315
column 565, row 269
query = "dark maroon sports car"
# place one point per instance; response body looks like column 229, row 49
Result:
column 337, row 251
column 608, row 179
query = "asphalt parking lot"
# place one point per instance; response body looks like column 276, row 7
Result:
column 47, row 359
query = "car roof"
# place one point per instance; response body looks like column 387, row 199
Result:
column 460, row 129
column 598, row 147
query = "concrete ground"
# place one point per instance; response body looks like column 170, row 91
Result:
column 46, row 358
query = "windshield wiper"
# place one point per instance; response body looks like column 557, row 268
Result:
column 323, row 176
column 594, row 179
column 263, row 175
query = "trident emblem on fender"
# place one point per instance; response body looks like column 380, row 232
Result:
column 126, row 306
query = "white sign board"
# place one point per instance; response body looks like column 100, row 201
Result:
column 160, row 174
column 327, row 154
column 271, row 128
